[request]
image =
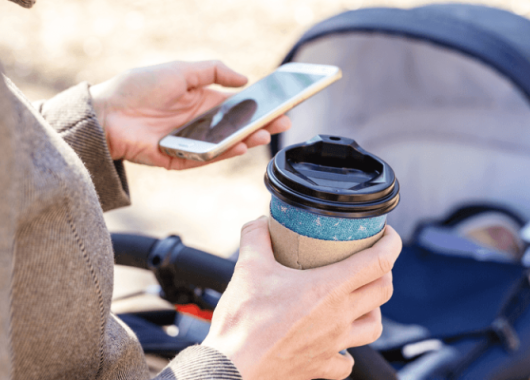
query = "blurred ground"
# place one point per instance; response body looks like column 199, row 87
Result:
column 59, row 43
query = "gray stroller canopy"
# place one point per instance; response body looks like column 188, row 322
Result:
column 441, row 93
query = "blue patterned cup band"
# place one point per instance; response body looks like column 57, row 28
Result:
column 321, row 227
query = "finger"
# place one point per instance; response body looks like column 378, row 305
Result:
column 182, row 164
column 279, row 125
column 260, row 137
column 370, row 296
column 338, row 367
column 237, row 150
column 365, row 266
column 263, row 136
column 199, row 74
column 365, row 330
column 255, row 240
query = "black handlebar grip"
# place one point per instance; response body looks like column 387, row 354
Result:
column 132, row 250
column 171, row 260
column 204, row 269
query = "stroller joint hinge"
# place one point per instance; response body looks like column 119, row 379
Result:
column 506, row 334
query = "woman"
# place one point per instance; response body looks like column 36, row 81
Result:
column 62, row 167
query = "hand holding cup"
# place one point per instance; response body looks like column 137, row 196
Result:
column 276, row 322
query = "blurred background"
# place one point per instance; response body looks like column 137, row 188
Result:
column 57, row 44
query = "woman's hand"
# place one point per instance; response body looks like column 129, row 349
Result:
column 140, row 106
column 275, row 322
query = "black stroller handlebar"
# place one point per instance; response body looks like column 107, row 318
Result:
column 132, row 250
column 179, row 269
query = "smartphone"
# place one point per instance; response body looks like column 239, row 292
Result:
column 220, row 128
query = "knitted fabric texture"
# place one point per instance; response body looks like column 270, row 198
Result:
column 56, row 257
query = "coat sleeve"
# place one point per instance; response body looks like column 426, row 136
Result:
column 200, row 362
column 9, row 192
column 71, row 114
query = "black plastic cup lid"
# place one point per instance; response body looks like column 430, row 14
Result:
column 333, row 176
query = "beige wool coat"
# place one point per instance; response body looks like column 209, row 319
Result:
column 56, row 258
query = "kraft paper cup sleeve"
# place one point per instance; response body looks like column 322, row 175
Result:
column 303, row 252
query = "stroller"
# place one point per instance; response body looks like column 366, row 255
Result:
column 441, row 93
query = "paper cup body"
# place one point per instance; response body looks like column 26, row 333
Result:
column 304, row 240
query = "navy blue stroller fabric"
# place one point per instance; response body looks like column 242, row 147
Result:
column 153, row 339
column 479, row 308
column 448, row 295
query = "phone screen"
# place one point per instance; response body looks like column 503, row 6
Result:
column 247, row 106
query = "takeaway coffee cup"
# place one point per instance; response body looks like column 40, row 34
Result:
column 330, row 199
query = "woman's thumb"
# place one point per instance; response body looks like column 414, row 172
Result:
column 255, row 240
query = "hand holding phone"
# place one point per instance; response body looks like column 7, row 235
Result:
column 138, row 107
column 220, row 128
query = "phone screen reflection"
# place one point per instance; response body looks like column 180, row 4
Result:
column 247, row 106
